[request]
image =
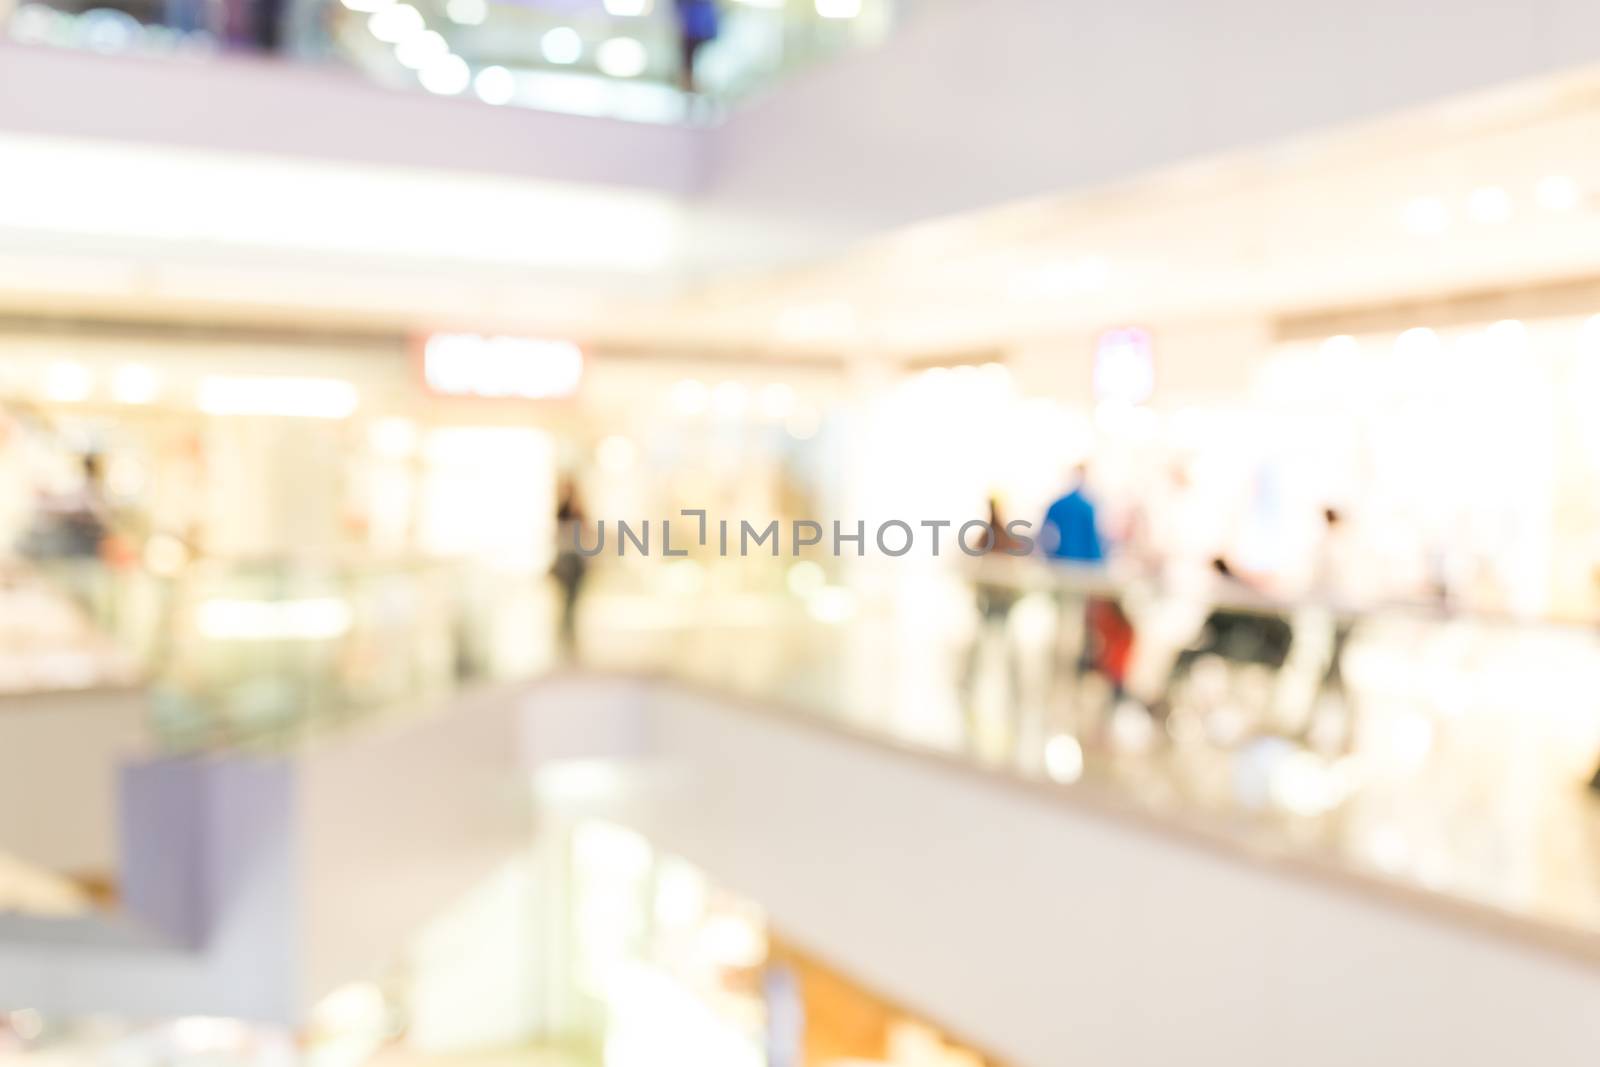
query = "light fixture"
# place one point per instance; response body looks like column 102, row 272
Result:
column 616, row 454
column 134, row 383
column 690, row 397
column 521, row 368
column 446, row 75
column 730, row 399
column 1490, row 204
column 420, row 49
column 1508, row 334
column 627, row 8
column 1427, row 215
column 1063, row 758
column 1557, row 192
column 777, row 401
column 395, row 23
column 308, row 398
column 467, row 12
column 622, row 57
column 838, row 9
column 1417, row 341
column 367, row 6
column 561, row 46
column 310, row 619
column 1342, row 346
column 66, row 382
column 495, row 85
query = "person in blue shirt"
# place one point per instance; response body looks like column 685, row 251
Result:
column 697, row 27
column 1102, row 632
column 1071, row 526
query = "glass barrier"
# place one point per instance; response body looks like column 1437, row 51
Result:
column 661, row 61
column 1438, row 749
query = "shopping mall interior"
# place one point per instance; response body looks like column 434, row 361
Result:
column 799, row 533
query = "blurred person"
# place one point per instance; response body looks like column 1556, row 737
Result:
column 1070, row 534
column 697, row 27
column 1335, row 586
column 1235, row 631
column 571, row 567
column 1071, row 528
column 995, row 598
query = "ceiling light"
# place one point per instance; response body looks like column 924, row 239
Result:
column 1428, row 215
column 420, row 49
column 1490, row 204
column 1341, row 347
column 1558, row 192
column 467, row 12
column 134, row 383
column 1418, row 341
column 730, row 399
column 690, row 397
column 447, row 75
column 561, row 45
column 395, row 24
column 66, row 382
column 310, row 398
column 524, row 368
column 622, row 57
column 627, row 8
column 311, row 619
column 838, row 9
column 495, row 85
column 777, row 401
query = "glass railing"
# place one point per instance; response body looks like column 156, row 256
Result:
column 641, row 60
column 1408, row 742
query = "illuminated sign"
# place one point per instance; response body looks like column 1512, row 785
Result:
column 520, row 368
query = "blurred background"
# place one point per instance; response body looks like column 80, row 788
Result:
column 328, row 329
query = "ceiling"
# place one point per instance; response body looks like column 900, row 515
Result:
column 1498, row 190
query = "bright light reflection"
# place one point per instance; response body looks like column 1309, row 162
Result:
column 1557, row 192
column 467, row 12
column 420, row 49
column 66, row 382
column 311, row 398
column 394, row 24
column 311, row 619
column 1063, row 758
column 447, row 75
column 561, row 46
column 1427, row 215
column 1490, row 204
column 622, row 57
column 134, row 383
column 838, row 9
column 495, row 85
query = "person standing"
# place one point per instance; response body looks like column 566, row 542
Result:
column 697, row 27
column 1071, row 535
column 571, row 566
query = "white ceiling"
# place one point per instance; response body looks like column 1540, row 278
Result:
column 112, row 229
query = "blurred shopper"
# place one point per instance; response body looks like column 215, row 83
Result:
column 1334, row 586
column 1071, row 530
column 697, row 27
column 1071, row 535
column 996, row 596
column 1237, row 632
column 571, row 566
